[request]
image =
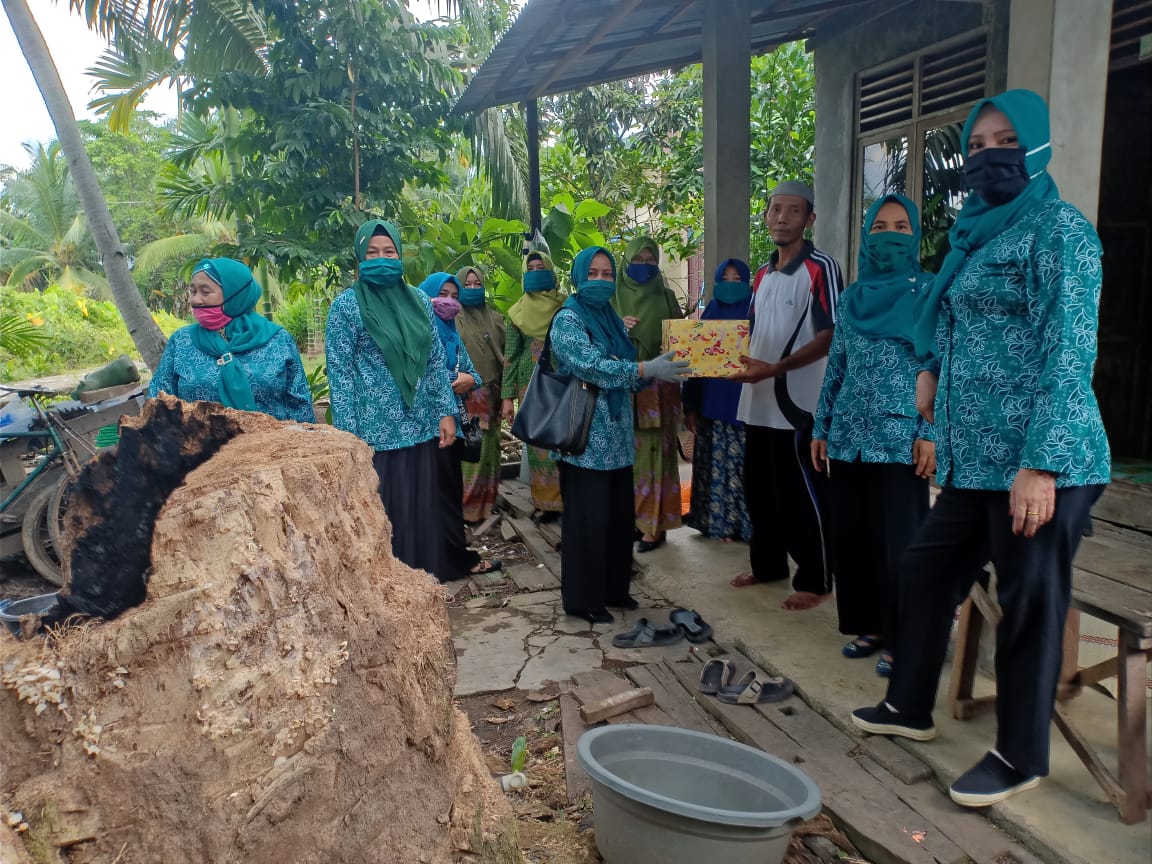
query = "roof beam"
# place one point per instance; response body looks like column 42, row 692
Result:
column 579, row 49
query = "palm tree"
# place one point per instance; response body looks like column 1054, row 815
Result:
column 45, row 236
column 145, row 333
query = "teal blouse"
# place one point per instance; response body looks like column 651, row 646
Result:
column 277, row 375
column 867, row 407
column 611, row 443
column 365, row 398
column 1017, row 345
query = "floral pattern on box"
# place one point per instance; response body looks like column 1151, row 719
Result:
column 713, row 348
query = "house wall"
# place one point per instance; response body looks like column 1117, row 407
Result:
column 860, row 40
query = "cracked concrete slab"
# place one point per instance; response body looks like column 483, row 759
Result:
column 560, row 661
column 490, row 649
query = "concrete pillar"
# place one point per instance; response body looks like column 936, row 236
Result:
column 1059, row 48
column 727, row 110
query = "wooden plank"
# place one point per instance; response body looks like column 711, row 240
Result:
column 1132, row 713
column 901, row 764
column 613, row 706
column 1128, row 608
column 965, row 655
column 1116, row 554
column 680, row 704
column 516, row 498
column 537, row 545
column 485, row 526
column 597, row 684
column 578, row 783
column 550, row 531
column 529, row 577
column 1126, row 503
column 1088, row 756
column 972, row 832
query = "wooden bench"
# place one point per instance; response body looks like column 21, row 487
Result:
column 1112, row 581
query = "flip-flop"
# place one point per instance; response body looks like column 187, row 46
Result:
column 494, row 565
column 884, row 666
column 756, row 688
column 646, row 635
column 715, row 674
column 695, row 628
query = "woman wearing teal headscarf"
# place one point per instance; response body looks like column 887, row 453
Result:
column 1009, row 327
column 389, row 386
column 528, row 321
column 644, row 303
column 443, row 290
column 482, row 331
column 232, row 354
column 590, row 342
column 877, row 451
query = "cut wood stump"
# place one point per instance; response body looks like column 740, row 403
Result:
column 613, row 706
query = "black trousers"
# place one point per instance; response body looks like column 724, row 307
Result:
column 407, row 478
column 785, row 500
column 458, row 558
column 596, row 556
column 964, row 530
column 874, row 511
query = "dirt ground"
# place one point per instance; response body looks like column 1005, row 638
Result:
column 552, row 831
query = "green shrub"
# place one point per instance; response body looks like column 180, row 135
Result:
column 295, row 316
column 79, row 332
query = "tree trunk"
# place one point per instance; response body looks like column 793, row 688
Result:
column 145, row 333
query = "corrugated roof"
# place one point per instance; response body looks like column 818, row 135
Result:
column 557, row 46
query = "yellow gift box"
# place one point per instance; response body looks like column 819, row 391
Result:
column 713, row 348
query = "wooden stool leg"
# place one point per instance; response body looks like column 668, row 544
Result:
column 966, row 652
column 1069, row 685
column 1132, row 716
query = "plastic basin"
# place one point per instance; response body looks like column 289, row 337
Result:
column 12, row 610
column 682, row 797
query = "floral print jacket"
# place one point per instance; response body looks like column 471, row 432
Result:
column 1017, row 345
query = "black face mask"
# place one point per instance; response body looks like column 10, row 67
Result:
column 997, row 174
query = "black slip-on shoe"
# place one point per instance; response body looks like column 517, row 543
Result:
column 882, row 720
column 990, row 782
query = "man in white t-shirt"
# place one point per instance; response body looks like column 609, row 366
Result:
column 793, row 308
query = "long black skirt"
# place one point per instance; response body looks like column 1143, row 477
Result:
column 458, row 558
column 596, row 558
column 408, row 484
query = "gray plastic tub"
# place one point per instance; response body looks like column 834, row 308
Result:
column 12, row 610
column 682, row 797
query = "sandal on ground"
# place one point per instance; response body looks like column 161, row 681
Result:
column 649, row 545
column 695, row 628
column 756, row 688
column 493, row 566
column 646, row 635
column 862, row 646
column 716, row 673
column 884, row 665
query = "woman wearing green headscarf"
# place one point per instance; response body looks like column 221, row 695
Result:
column 482, row 331
column 1009, row 329
column 644, row 303
column 232, row 354
column 590, row 343
column 528, row 321
column 389, row 386
column 877, row 452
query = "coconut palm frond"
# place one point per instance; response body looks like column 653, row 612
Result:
column 18, row 335
column 124, row 80
column 501, row 147
column 158, row 253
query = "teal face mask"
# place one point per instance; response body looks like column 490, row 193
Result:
column 731, row 292
column 471, row 297
column 539, row 280
column 597, row 292
column 891, row 250
column 382, row 272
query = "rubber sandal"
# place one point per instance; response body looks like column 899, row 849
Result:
column 854, row 649
column 756, row 688
column 715, row 674
column 646, row 635
column 493, row 566
column 695, row 628
column 884, row 667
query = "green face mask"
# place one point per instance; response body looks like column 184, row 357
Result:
column 382, row 272
column 731, row 292
column 597, row 292
column 891, row 250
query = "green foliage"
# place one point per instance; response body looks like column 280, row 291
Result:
column 77, row 332
column 19, row 336
column 296, row 316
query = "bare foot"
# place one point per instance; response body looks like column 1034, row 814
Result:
column 801, row 600
column 743, row 580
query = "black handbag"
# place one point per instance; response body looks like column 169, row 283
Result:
column 556, row 411
column 470, row 440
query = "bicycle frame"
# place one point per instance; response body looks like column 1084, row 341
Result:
column 58, row 452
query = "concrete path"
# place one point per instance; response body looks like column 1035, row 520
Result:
column 527, row 642
column 1066, row 819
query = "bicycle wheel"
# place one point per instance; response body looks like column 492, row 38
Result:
column 54, row 518
column 37, row 539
